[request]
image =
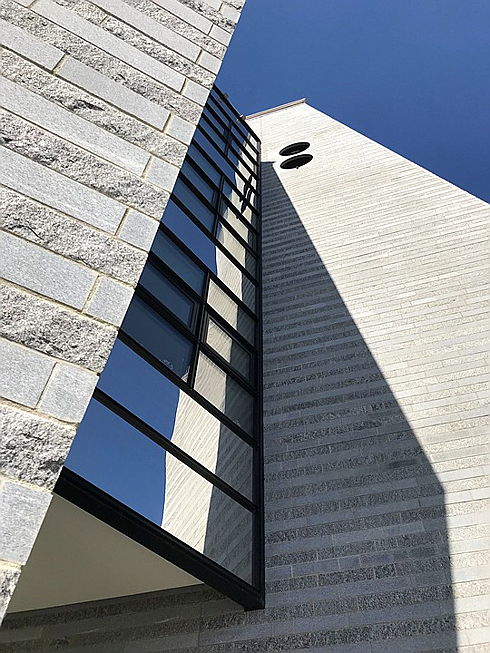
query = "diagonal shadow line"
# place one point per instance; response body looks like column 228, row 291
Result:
column 351, row 498
column 357, row 554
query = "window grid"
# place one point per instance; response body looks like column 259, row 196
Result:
column 193, row 328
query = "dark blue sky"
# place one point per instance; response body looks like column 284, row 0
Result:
column 413, row 75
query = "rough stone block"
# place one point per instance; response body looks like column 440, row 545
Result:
column 196, row 92
column 151, row 27
column 53, row 330
column 29, row 46
column 114, row 93
column 109, row 43
column 162, row 174
column 70, row 238
column 181, row 129
column 80, row 165
column 215, row 4
column 50, row 116
column 33, row 448
column 22, row 511
column 55, row 190
column 24, row 373
column 159, row 52
column 210, row 12
column 110, row 301
column 127, row 127
column 230, row 12
column 209, row 62
column 139, row 230
column 188, row 14
column 68, row 392
column 38, row 269
column 9, row 575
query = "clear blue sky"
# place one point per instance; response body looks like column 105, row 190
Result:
column 413, row 75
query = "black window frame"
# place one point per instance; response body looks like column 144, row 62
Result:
column 73, row 487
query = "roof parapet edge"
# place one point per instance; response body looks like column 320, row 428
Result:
column 279, row 108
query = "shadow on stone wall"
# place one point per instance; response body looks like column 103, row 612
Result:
column 356, row 544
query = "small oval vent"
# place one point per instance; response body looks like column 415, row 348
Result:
column 296, row 161
column 294, row 148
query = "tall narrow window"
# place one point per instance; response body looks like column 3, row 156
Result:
column 171, row 442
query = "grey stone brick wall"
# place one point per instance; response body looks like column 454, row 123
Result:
column 375, row 423
column 99, row 102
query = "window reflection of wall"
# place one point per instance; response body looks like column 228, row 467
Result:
column 180, row 384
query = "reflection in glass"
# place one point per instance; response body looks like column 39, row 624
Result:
column 120, row 460
column 237, row 201
column 194, row 204
column 167, row 294
column 191, row 235
column 224, row 393
column 207, row 520
column 231, row 312
column 165, row 248
column 215, row 155
column 230, row 216
column 158, row 337
column 228, row 272
column 234, row 246
column 198, row 181
column 216, row 124
column 144, row 391
column 111, row 454
column 216, row 260
column 214, row 135
column 192, row 298
column 216, row 104
column 228, row 348
column 204, row 164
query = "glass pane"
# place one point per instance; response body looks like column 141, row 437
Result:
column 195, row 178
column 227, row 271
column 245, row 167
column 216, row 260
column 236, row 223
column 242, row 255
column 192, row 236
column 224, row 393
column 232, row 194
column 231, row 312
column 192, row 203
column 158, row 337
column 246, row 153
column 242, row 206
column 204, row 165
column 214, row 153
column 171, row 254
column 228, row 348
column 150, row 395
column 217, row 125
column 120, row 460
column 164, row 290
column 213, row 134
column 216, row 104
column 248, row 214
column 206, row 519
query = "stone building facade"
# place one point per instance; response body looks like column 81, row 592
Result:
column 375, row 421
column 100, row 101
column 375, row 385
